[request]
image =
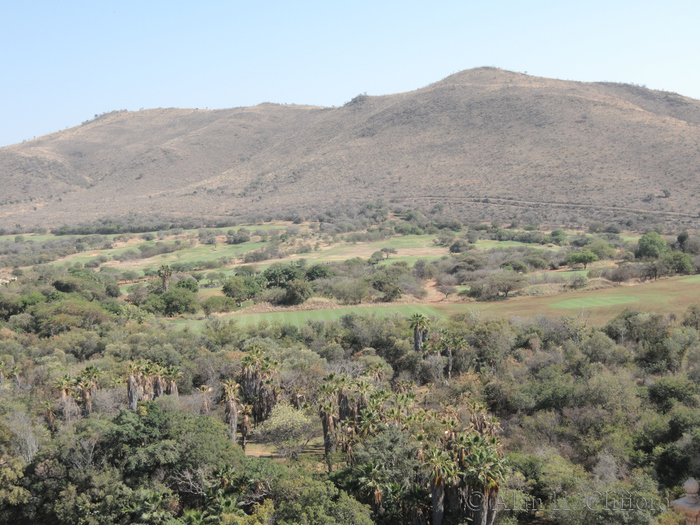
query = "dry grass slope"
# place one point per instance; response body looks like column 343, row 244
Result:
column 489, row 143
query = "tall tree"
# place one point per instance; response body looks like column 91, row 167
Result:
column 164, row 272
column 231, row 401
column 420, row 325
column 170, row 376
column 442, row 471
column 85, row 388
column 256, row 382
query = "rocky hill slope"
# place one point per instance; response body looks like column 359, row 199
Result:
column 485, row 142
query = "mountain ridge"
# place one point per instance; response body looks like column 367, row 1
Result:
column 480, row 134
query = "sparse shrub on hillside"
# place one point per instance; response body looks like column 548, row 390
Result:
column 601, row 249
column 578, row 282
column 272, row 251
column 583, row 257
column 459, row 246
column 596, row 227
column 237, row 237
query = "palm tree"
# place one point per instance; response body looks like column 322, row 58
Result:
column 364, row 389
column 403, row 387
column 250, row 373
column 246, row 426
column 158, row 381
column 256, row 382
column 420, row 325
column 371, row 484
column 326, row 412
column 164, row 272
column 171, row 375
column 377, row 372
column 133, row 385
column 232, row 401
column 451, row 428
column 147, row 376
column 50, row 415
column 64, row 385
column 85, row 387
column 194, row 517
column 417, row 508
column 91, row 374
column 395, row 415
column 153, row 508
column 447, row 344
column 221, row 505
column 224, row 475
column 404, row 402
column 370, row 419
column 483, row 467
column 342, row 383
column 15, row 370
column 204, row 392
column 443, row 472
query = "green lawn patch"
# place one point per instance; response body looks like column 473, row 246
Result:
column 301, row 317
column 593, row 302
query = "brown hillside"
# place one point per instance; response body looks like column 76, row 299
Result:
column 522, row 143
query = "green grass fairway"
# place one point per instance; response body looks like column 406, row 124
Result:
column 629, row 237
column 300, row 318
column 409, row 249
column 593, row 302
column 665, row 296
column 27, row 236
column 486, row 244
column 693, row 279
column 410, row 259
column 571, row 273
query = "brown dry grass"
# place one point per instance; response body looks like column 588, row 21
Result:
column 488, row 143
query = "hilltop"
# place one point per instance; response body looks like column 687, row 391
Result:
column 485, row 142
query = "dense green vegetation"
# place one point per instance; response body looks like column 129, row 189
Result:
column 110, row 416
column 118, row 408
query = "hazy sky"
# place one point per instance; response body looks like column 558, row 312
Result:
column 63, row 62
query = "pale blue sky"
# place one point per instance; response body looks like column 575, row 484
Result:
column 63, row 62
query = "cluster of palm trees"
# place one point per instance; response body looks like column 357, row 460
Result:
column 340, row 402
column 420, row 324
column 256, row 386
column 165, row 273
column 147, row 381
column 228, row 494
column 257, row 381
column 436, row 343
column 13, row 370
column 80, row 389
column 464, row 466
column 445, row 344
column 233, row 409
column 352, row 409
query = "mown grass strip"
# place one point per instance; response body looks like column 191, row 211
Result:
column 594, row 302
column 299, row 318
